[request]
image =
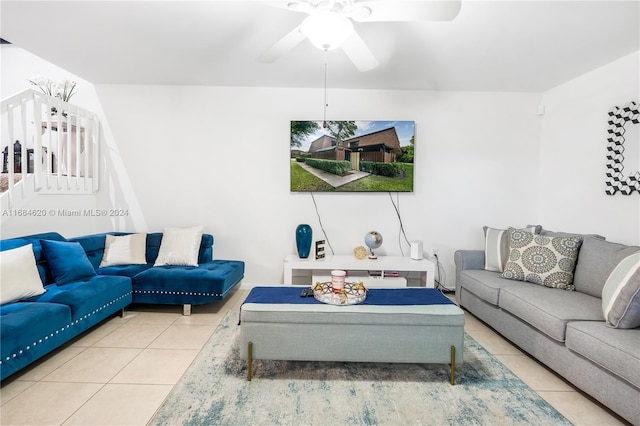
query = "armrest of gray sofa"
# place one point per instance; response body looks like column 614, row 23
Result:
column 467, row 259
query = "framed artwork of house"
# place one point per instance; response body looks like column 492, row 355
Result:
column 352, row 156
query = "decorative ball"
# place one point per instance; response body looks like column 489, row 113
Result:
column 373, row 240
column 360, row 252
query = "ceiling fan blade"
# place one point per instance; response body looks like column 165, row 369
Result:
column 282, row 46
column 359, row 53
column 406, row 10
column 292, row 5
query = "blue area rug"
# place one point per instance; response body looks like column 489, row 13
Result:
column 215, row 391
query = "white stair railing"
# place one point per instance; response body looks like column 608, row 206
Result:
column 55, row 142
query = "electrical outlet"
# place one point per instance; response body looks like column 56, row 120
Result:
column 434, row 251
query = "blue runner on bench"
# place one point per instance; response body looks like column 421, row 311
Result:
column 375, row 296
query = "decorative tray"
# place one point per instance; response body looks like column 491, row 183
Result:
column 351, row 294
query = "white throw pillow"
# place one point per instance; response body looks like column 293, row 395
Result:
column 19, row 275
column 621, row 294
column 180, row 246
column 124, row 250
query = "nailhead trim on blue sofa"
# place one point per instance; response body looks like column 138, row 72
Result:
column 179, row 293
column 28, row 347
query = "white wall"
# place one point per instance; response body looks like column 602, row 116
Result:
column 17, row 67
column 220, row 157
column 179, row 156
column 573, row 154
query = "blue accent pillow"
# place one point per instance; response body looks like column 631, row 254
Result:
column 67, row 260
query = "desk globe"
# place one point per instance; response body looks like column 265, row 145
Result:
column 373, row 240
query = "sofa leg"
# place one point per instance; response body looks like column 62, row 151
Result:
column 122, row 313
column 186, row 309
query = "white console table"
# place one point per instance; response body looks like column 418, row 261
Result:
column 349, row 263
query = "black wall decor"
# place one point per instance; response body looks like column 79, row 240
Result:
column 617, row 181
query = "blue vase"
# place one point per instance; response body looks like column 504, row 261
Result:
column 303, row 240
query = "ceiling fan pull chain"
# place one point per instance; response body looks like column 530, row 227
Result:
column 326, row 92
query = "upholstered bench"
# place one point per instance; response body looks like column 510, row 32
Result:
column 422, row 327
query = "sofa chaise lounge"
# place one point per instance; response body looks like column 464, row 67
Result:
column 210, row 281
column 77, row 293
column 565, row 330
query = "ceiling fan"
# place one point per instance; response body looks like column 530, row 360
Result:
column 329, row 24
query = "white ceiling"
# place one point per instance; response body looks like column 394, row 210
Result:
column 490, row 46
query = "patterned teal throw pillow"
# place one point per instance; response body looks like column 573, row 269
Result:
column 548, row 261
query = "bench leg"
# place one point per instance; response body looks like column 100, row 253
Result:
column 186, row 309
column 249, row 360
column 453, row 365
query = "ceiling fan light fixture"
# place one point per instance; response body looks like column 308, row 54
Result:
column 327, row 30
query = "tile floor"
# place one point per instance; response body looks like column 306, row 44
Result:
column 121, row 371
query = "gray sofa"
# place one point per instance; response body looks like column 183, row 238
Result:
column 565, row 330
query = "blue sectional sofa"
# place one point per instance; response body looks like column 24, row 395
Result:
column 32, row 327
